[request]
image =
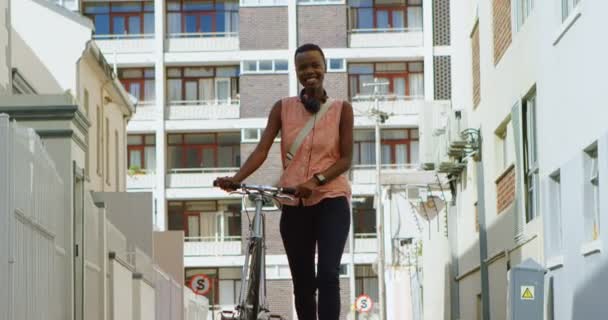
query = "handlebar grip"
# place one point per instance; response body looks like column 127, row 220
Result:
column 231, row 185
column 290, row 191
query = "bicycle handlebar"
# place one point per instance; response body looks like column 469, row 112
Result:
column 259, row 188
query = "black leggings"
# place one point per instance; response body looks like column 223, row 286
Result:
column 325, row 224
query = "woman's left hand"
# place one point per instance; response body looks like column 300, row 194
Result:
column 304, row 190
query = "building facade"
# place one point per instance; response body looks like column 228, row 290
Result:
column 206, row 75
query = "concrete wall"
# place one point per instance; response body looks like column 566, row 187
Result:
column 169, row 252
column 121, row 292
column 263, row 28
column 131, row 213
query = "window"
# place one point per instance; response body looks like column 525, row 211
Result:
column 255, row 134
column 202, row 18
column 385, row 15
column 139, row 82
column 523, row 9
column 206, row 220
column 229, row 285
column 366, row 281
column 555, row 210
column 121, row 18
column 107, row 151
column 264, row 66
column 364, row 217
column 505, row 146
column 203, row 85
column 530, row 157
column 567, row 7
column 141, row 153
column 592, row 195
column 99, row 142
column 398, row 147
column 405, row 79
column 335, row 65
column 204, row 150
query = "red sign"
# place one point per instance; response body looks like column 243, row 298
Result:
column 364, row 303
column 200, row 284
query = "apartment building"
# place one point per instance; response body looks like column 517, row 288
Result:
column 206, row 74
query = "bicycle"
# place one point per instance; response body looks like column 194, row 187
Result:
column 252, row 303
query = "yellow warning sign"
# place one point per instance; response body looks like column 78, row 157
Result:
column 527, row 292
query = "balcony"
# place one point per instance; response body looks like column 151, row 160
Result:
column 366, row 174
column 212, row 246
column 366, row 243
column 391, row 104
column 389, row 37
column 211, row 109
column 142, row 180
column 196, row 177
column 145, row 111
column 204, row 41
column 124, row 43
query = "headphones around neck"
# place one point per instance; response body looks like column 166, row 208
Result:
column 311, row 104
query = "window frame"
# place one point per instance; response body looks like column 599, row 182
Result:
column 393, row 143
column 257, row 68
column 140, row 147
column 375, row 8
column 199, row 14
column 531, row 167
column 127, row 82
column 591, row 175
column 199, row 147
column 144, row 9
column 234, row 81
column 384, row 74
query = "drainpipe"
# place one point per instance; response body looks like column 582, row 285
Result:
column 453, row 240
column 483, row 239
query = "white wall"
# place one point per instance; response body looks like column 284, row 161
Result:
column 144, row 300
column 52, row 23
column 121, row 293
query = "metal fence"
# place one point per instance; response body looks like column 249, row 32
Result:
column 34, row 218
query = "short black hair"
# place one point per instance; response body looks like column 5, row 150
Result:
column 309, row 47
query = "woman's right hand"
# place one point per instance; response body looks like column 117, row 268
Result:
column 226, row 183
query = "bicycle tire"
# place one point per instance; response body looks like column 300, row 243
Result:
column 251, row 308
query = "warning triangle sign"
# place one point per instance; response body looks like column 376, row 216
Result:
column 527, row 295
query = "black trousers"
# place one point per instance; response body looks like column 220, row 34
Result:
column 303, row 229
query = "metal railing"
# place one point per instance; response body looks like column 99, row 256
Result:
column 201, row 170
column 365, row 235
column 385, row 97
column 262, row 3
column 123, row 36
column 397, row 166
column 213, row 239
column 214, row 102
column 231, row 34
column 383, row 30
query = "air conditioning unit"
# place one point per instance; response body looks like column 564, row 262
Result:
column 434, row 122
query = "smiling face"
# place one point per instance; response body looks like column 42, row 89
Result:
column 310, row 68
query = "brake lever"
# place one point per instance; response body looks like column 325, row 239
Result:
column 285, row 197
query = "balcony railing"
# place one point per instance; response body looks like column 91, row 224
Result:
column 204, row 109
column 212, row 246
column 195, row 177
column 366, row 242
column 391, row 104
column 142, row 179
column 391, row 37
column 202, row 41
column 366, row 173
column 125, row 43
column 262, row 3
column 145, row 111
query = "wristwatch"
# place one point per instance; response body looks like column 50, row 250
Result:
column 320, row 178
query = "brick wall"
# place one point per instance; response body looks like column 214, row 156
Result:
column 505, row 190
column 443, row 77
column 501, row 10
column 441, row 22
column 475, row 64
column 322, row 25
column 260, row 92
column 263, row 28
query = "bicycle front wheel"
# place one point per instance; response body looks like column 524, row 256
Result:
column 251, row 308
